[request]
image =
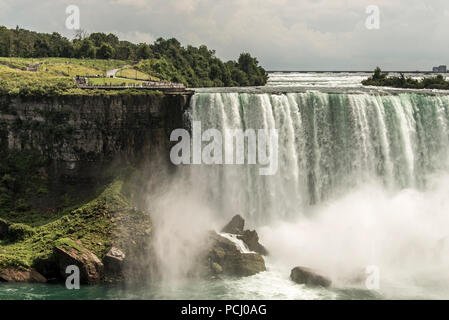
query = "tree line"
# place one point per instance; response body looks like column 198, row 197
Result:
column 382, row 79
column 165, row 58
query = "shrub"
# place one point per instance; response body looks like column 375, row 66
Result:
column 19, row 231
column 68, row 244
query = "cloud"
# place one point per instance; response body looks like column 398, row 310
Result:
column 135, row 36
column 283, row 34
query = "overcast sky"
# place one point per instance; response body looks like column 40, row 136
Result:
column 283, row 34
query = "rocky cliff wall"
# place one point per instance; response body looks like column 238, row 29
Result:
column 79, row 134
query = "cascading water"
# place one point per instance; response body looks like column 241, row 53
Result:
column 362, row 180
column 362, row 183
column 328, row 143
column 237, row 242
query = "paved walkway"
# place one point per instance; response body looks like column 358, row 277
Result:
column 111, row 73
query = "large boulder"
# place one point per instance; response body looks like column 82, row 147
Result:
column 47, row 267
column 224, row 258
column 114, row 261
column 235, row 226
column 16, row 275
column 251, row 239
column 309, row 277
column 69, row 252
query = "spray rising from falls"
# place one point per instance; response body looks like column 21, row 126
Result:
column 329, row 143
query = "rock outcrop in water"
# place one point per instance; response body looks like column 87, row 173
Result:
column 69, row 252
column 228, row 257
column 16, row 275
column 114, row 261
column 235, row 226
column 309, row 277
column 249, row 237
column 225, row 258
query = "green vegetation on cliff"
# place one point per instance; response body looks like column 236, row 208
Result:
column 97, row 224
column 165, row 59
column 382, row 79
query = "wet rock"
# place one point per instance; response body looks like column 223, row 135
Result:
column 235, row 226
column 251, row 239
column 309, row 277
column 216, row 268
column 15, row 275
column 114, row 261
column 226, row 255
column 69, row 252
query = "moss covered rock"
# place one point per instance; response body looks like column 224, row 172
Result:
column 70, row 252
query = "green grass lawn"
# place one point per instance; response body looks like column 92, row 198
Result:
column 98, row 66
column 55, row 76
column 131, row 73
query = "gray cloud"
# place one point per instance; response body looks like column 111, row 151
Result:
column 283, row 34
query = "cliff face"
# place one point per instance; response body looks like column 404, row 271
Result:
column 62, row 176
column 79, row 134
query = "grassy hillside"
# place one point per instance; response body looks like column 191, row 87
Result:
column 55, row 76
column 133, row 73
column 165, row 59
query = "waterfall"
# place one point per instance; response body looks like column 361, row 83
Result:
column 362, row 181
column 328, row 143
column 239, row 244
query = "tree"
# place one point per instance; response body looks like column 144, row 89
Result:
column 81, row 34
column 123, row 52
column 86, row 49
column 112, row 40
column 98, row 38
column 5, row 42
column 105, row 51
column 41, row 48
column 378, row 75
column 143, row 51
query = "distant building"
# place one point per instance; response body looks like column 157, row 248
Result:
column 440, row 69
